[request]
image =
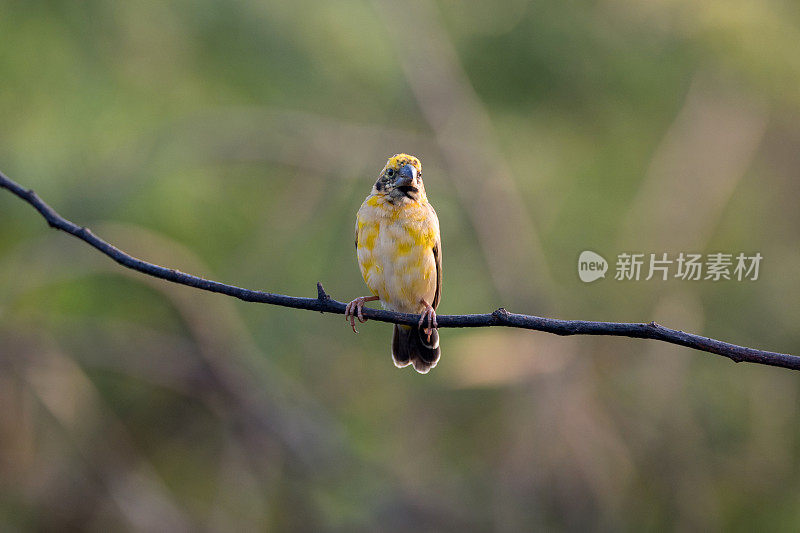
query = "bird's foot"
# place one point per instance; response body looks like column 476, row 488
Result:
column 355, row 309
column 430, row 314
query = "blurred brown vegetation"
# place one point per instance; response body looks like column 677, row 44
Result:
column 237, row 139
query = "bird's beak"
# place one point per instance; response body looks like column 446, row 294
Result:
column 407, row 177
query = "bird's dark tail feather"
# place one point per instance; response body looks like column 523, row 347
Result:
column 410, row 346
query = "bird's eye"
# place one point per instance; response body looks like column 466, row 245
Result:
column 390, row 172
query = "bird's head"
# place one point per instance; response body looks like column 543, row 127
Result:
column 401, row 179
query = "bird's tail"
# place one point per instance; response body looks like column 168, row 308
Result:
column 410, row 346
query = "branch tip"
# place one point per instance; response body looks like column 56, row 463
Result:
column 321, row 294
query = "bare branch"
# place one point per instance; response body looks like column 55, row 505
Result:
column 325, row 304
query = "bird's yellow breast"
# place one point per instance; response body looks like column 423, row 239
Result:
column 395, row 252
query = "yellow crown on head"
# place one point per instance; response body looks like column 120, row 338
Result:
column 398, row 160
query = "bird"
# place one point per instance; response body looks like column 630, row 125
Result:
column 399, row 250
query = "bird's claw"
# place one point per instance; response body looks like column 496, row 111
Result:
column 355, row 310
column 430, row 314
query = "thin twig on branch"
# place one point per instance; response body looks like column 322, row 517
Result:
column 326, row 304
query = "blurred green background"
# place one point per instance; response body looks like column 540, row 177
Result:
column 236, row 140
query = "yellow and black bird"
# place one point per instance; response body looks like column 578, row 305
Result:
column 400, row 256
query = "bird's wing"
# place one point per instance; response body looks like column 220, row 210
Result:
column 358, row 219
column 437, row 256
